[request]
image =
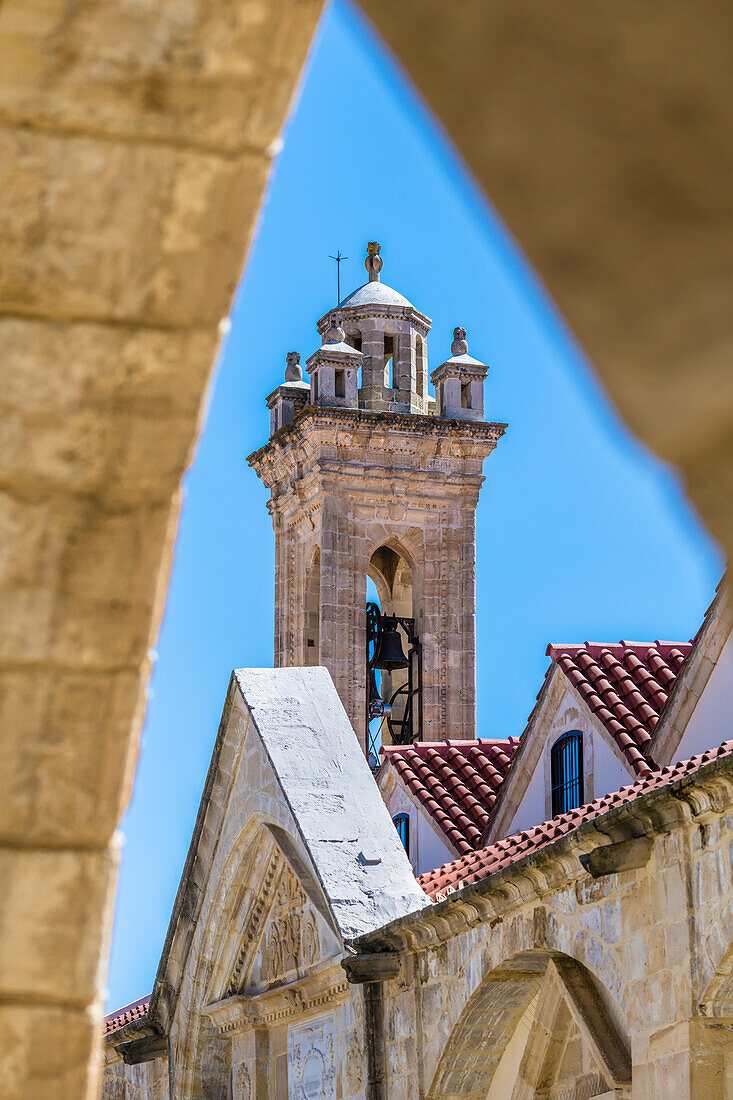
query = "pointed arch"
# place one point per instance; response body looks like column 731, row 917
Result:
column 547, row 994
column 262, row 859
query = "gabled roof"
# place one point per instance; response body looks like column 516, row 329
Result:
column 135, row 1011
column 322, row 807
column 479, row 865
column 456, row 781
column 626, row 685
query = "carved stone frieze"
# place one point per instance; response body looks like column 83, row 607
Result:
column 292, row 937
column 241, row 1083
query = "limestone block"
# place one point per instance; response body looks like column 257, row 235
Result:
column 71, row 764
column 100, row 408
column 160, row 241
column 48, row 1053
column 83, row 577
column 51, row 936
column 176, row 71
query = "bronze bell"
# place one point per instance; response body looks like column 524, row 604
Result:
column 390, row 654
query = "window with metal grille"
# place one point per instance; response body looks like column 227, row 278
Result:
column 567, row 773
column 402, row 825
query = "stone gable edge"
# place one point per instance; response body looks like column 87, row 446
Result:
column 191, row 894
column 516, row 774
column 700, row 797
column 189, row 898
column 694, row 675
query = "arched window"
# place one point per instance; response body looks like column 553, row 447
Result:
column 567, row 773
column 402, row 825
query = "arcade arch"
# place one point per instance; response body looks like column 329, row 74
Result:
column 537, row 1025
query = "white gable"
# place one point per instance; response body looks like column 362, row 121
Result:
column 712, row 719
column 293, row 851
column 604, row 769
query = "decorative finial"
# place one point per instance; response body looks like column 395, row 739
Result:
column 373, row 262
column 335, row 334
column 293, row 371
column 459, row 345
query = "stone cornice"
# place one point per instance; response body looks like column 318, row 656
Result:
column 310, row 994
column 312, row 416
column 142, row 1028
column 357, row 313
column 700, row 797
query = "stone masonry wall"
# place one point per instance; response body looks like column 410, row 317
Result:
column 639, row 960
column 652, row 939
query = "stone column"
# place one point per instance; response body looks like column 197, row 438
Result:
column 374, row 395
column 404, row 397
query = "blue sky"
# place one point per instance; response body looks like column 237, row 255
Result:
column 581, row 533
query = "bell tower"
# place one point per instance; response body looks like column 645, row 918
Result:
column 370, row 476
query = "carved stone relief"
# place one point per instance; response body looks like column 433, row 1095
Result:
column 292, row 938
column 241, row 1083
column 311, row 1060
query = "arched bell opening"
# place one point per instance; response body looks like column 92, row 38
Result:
column 394, row 656
column 421, row 373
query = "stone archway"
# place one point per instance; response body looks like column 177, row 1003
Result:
column 536, row 1021
column 135, row 151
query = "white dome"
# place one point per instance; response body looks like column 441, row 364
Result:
column 375, row 294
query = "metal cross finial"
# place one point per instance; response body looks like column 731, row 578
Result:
column 338, row 258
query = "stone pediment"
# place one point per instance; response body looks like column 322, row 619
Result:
column 277, row 935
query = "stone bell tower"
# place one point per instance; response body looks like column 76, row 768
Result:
column 371, row 476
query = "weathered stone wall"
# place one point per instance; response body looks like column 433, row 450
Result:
column 146, row 1081
column 652, row 938
column 134, row 147
column 620, row 982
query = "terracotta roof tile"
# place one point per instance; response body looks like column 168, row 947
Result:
column 456, row 781
column 474, row 866
column 135, row 1011
column 626, row 685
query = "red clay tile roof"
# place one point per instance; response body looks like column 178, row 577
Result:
column 126, row 1015
column 479, row 865
column 456, row 781
column 626, row 686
